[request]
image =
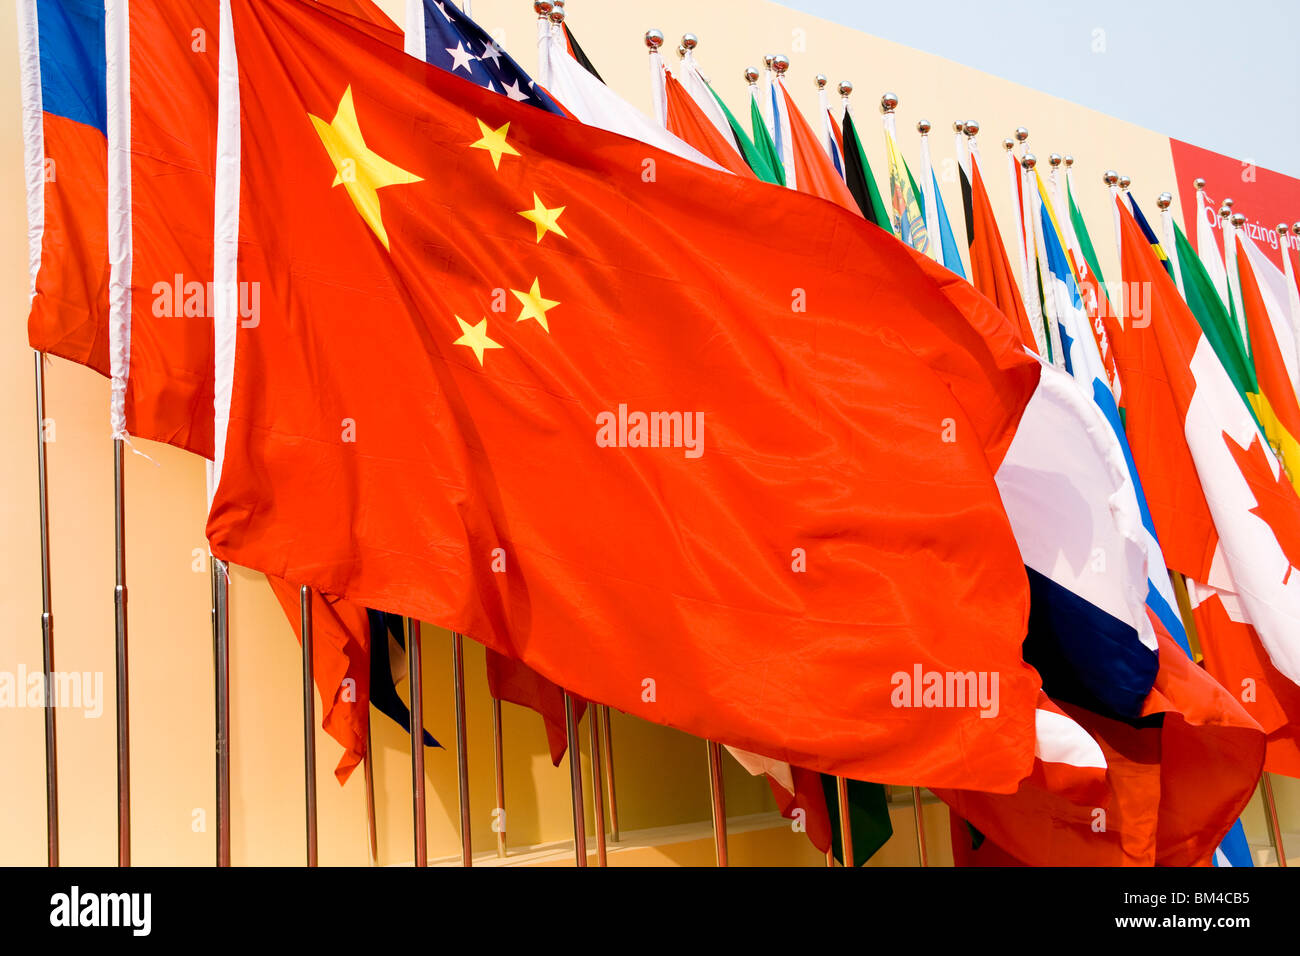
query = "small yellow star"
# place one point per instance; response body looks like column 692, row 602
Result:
column 475, row 338
column 494, row 141
column 357, row 167
column 534, row 306
column 546, row 220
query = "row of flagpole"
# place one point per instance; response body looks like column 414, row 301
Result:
column 1021, row 174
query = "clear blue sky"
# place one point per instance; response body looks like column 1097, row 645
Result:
column 1223, row 75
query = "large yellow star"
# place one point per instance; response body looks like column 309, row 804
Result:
column 475, row 338
column 362, row 171
column 534, row 306
column 546, row 220
column 494, row 141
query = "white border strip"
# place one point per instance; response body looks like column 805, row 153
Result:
column 29, row 59
column 416, row 36
column 117, row 46
column 225, row 241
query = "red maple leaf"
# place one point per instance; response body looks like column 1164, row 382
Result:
column 1278, row 504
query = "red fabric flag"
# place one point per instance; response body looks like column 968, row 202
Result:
column 171, row 88
column 990, row 269
column 754, row 574
column 512, row 680
column 1176, row 784
column 61, row 62
column 687, row 122
column 815, row 173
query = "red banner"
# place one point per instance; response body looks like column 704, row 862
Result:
column 1263, row 196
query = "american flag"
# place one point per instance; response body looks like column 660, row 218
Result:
column 453, row 42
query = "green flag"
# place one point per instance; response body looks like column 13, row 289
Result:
column 755, row 157
column 860, row 179
column 869, row 820
column 763, row 142
column 1081, row 232
column 1216, row 322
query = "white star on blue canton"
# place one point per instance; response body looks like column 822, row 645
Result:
column 461, row 57
column 513, row 91
column 492, row 52
column 443, row 11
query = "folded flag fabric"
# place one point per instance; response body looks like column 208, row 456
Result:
column 62, row 63
column 388, row 667
column 526, row 436
column 860, row 179
column 511, row 680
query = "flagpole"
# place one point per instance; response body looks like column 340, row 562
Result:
column 1270, row 808
column 372, row 833
column 120, row 635
column 610, row 796
column 221, row 670
column 575, row 783
column 1034, row 203
column 654, row 39
column 1013, row 172
column 416, row 679
column 308, row 718
column 47, row 626
column 718, row 798
column 462, row 748
column 1163, row 201
column 846, row 827
column 919, row 812
column 597, row 799
column 499, row 766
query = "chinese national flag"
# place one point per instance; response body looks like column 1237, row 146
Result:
column 471, row 309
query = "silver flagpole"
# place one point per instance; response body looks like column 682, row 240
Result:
column 610, row 797
column 1270, row 809
column 372, row 832
column 718, row 797
column 462, row 748
column 575, row 783
column 119, row 627
column 498, row 754
column 920, row 827
column 416, row 680
column 846, row 830
column 308, row 718
column 221, row 668
column 47, row 627
column 597, row 800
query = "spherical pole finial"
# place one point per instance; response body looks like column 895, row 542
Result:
column 821, row 80
column 1054, row 160
column 681, row 52
column 888, row 103
column 1008, row 144
column 654, row 39
column 1069, row 160
column 923, row 127
column 1295, row 228
column 958, row 126
column 557, row 11
column 1022, row 134
column 1230, row 202
column 1110, row 177
column 751, row 75
column 845, row 87
column 542, row 8
column 1029, row 161
column 1199, row 183
column 767, row 61
column 1281, row 228
column 971, row 127
column 1125, row 182
column 1164, row 200
column 1225, row 212
column 690, row 41
column 780, row 63
column 1238, row 219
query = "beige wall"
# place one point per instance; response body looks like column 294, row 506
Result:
column 661, row 773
